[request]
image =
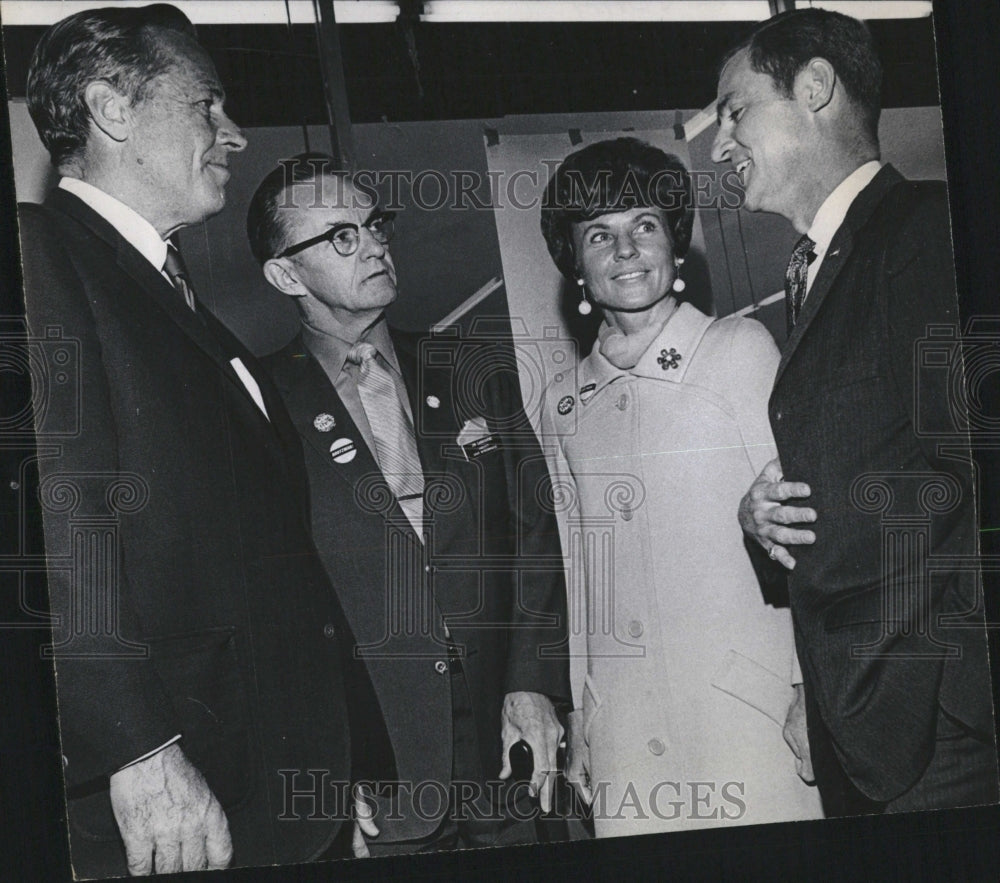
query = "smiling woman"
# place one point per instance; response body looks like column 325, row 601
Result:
column 682, row 671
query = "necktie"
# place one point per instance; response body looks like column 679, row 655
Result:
column 174, row 267
column 395, row 442
column 796, row 279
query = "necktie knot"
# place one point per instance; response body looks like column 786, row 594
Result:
column 362, row 352
column 173, row 266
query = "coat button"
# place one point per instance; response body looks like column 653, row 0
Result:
column 656, row 747
column 329, row 631
column 627, row 513
column 440, row 666
column 622, row 402
column 635, row 628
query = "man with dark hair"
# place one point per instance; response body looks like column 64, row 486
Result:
column 198, row 642
column 429, row 493
column 893, row 651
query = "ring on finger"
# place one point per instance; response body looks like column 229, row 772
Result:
column 770, row 552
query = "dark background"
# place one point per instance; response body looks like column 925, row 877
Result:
column 543, row 69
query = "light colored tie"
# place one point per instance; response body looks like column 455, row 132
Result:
column 395, row 442
column 174, row 267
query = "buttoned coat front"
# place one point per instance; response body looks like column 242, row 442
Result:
column 689, row 667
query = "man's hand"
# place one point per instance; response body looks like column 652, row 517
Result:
column 364, row 824
column 530, row 716
column 797, row 736
column 764, row 517
column 169, row 819
column 578, row 758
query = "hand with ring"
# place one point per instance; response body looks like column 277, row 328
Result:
column 765, row 517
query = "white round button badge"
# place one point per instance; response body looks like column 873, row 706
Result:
column 343, row 450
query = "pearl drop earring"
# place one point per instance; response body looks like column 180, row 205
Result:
column 679, row 284
column 584, row 306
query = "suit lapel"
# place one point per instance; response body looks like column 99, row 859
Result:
column 429, row 391
column 153, row 284
column 837, row 256
column 309, row 396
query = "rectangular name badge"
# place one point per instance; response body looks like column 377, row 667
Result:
column 480, row 446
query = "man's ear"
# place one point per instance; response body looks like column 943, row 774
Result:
column 108, row 109
column 280, row 273
column 816, row 84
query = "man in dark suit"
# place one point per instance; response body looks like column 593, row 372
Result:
column 883, row 591
column 426, row 501
column 198, row 642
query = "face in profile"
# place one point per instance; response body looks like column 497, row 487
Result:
column 760, row 134
column 182, row 137
column 626, row 259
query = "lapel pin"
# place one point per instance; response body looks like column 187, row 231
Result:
column 324, row 422
column 587, row 391
column 669, row 359
column 433, row 402
column 343, row 450
column 565, row 404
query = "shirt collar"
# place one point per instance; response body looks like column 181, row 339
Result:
column 332, row 346
column 834, row 209
column 666, row 358
column 132, row 226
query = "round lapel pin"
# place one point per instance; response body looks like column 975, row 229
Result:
column 324, row 422
column 343, row 450
column 565, row 404
column 433, row 402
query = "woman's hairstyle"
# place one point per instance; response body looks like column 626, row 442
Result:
column 614, row 176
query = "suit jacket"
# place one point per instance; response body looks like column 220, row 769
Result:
column 858, row 413
column 189, row 595
column 491, row 569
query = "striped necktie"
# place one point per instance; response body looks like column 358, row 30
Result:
column 395, row 442
column 797, row 279
column 174, row 267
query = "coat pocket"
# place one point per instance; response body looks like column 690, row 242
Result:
column 759, row 687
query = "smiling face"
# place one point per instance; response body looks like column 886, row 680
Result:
column 626, row 258
column 762, row 133
column 360, row 284
column 181, row 139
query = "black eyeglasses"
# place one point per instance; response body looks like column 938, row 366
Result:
column 346, row 237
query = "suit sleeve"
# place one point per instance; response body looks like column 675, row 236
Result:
column 113, row 708
column 919, row 274
column 536, row 658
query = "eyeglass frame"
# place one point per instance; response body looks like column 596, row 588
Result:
column 328, row 235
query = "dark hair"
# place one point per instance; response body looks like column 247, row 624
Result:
column 614, row 176
column 120, row 45
column 782, row 46
column 266, row 229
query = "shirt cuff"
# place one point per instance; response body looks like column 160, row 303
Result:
column 149, row 754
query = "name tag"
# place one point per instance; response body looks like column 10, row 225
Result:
column 481, row 446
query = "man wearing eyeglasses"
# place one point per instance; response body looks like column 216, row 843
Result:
column 425, row 519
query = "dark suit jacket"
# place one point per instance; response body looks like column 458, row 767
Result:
column 190, row 595
column 477, row 573
column 852, row 419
